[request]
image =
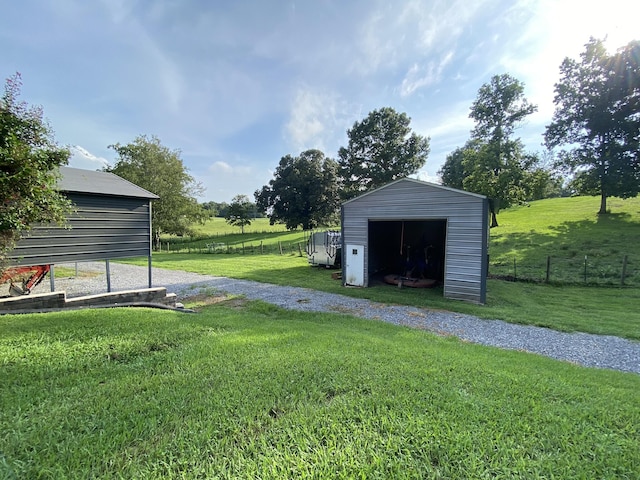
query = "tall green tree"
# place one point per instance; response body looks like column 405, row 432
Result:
column 597, row 121
column 29, row 169
column 303, row 192
column 452, row 173
column 160, row 170
column 495, row 168
column 381, row 148
column 524, row 176
column 239, row 212
column 499, row 108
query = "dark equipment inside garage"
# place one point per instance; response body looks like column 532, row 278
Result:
column 411, row 248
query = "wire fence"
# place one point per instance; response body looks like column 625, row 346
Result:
column 557, row 270
column 585, row 270
column 243, row 248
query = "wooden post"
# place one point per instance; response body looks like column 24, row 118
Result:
column 261, row 248
column 515, row 272
column 299, row 249
column 624, row 269
column 548, row 268
column 243, row 248
column 280, row 246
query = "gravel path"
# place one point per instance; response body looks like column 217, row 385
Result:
column 581, row 348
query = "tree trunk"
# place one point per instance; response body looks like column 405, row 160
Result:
column 493, row 207
column 494, row 220
column 603, row 203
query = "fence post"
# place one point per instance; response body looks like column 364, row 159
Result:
column 261, row 248
column 515, row 273
column 548, row 268
column 280, row 246
column 585, row 269
column 624, row 269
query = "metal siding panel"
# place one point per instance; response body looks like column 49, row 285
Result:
column 101, row 228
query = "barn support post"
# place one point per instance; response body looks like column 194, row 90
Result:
column 106, row 263
column 52, row 278
column 149, row 269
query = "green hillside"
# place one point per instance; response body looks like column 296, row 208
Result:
column 567, row 230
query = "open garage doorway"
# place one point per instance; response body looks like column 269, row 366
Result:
column 408, row 248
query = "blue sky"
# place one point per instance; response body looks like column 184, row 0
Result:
column 236, row 85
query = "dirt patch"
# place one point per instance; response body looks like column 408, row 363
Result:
column 202, row 300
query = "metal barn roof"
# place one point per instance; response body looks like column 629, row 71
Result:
column 418, row 182
column 99, row 183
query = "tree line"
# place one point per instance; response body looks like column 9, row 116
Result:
column 593, row 140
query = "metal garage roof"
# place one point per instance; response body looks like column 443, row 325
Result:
column 419, row 182
column 99, row 183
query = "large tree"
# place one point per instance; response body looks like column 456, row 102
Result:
column 29, row 169
column 303, row 192
column 160, row 170
column 239, row 212
column 381, row 148
column 452, row 173
column 597, row 120
column 494, row 167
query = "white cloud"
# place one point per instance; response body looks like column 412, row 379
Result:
column 229, row 172
column 82, row 158
column 317, row 120
column 221, row 167
column 307, row 119
column 418, row 77
column 425, row 176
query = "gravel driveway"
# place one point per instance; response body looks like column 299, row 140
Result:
column 581, row 348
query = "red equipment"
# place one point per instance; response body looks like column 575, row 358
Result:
column 28, row 277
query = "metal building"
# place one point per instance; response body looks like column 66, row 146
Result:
column 410, row 223
column 111, row 219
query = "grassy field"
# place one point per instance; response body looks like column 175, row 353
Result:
column 217, row 236
column 581, row 246
column 217, row 226
column 569, row 231
column 246, row 390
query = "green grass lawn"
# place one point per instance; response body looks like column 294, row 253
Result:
column 247, row 390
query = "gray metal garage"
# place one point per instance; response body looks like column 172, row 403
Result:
column 409, row 224
column 112, row 219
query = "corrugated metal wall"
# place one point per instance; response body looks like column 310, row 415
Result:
column 466, row 237
column 102, row 228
